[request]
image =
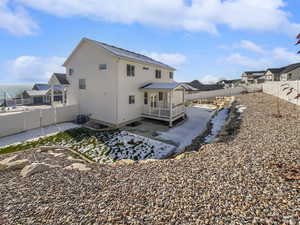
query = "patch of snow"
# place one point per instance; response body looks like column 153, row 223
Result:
column 206, row 106
column 241, row 108
column 217, row 124
column 35, row 134
column 194, row 126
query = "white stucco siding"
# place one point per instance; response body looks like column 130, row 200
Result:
column 131, row 86
column 178, row 96
column 99, row 99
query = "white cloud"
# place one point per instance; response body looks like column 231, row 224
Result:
column 16, row 20
column 172, row 59
column 275, row 58
column 247, row 45
column 198, row 15
column 34, row 69
column 251, row 46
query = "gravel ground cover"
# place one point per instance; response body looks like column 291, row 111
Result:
column 250, row 179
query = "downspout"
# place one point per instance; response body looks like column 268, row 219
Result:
column 117, row 95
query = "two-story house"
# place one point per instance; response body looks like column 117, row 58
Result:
column 253, row 77
column 291, row 73
column 115, row 86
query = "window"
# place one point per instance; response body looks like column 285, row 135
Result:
column 145, row 68
column 158, row 74
column 130, row 70
column 160, row 96
column 146, row 98
column 82, row 84
column 289, row 76
column 171, row 75
column 103, row 67
column 71, row 71
column 131, row 99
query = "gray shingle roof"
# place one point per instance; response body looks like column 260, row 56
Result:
column 168, row 86
column 62, row 78
column 33, row 93
column 41, row 87
column 120, row 52
column 291, row 67
column 255, row 73
column 276, row 70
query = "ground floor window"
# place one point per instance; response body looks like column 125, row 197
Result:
column 82, row 84
column 146, row 98
column 131, row 99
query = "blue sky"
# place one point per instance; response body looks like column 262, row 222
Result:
column 203, row 39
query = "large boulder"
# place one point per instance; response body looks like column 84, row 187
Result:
column 78, row 166
column 35, row 168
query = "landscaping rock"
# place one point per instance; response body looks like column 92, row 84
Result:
column 78, row 166
column 15, row 165
column 185, row 155
column 123, row 162
column 149, row 160
column 56, row 154
column 34, row 168
column 7, row 160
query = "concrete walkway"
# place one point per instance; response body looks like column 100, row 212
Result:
column 184, row 134
column 35, row 133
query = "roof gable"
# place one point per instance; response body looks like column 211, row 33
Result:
column 120, row 53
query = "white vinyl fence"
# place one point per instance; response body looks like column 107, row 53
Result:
column 224, row 92
column 287, row 90
column 12, row 123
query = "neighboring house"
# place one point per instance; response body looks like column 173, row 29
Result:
column 273, row 74
column 41, row 93
column 204, row 87
column 115, row 86
column 291, row 73
column 253, row 77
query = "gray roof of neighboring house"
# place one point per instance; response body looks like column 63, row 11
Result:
column 62, row 78
column 291, row 67
column 189, row 87
column 205, row 87
column 168, row 86
column 129, row 54
column 276, row 70
column 41, row 86
column 34, row 93
column 255, row 73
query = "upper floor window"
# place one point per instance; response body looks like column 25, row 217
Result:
column 131, row 99
column 71, row 71
column 82, row 84
column 103, row 67
column 130, row 70
column 171, row 75
column 158, row 74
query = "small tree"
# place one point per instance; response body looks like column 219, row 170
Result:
column 298, row 41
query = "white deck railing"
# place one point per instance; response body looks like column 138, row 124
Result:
column 163, row 112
